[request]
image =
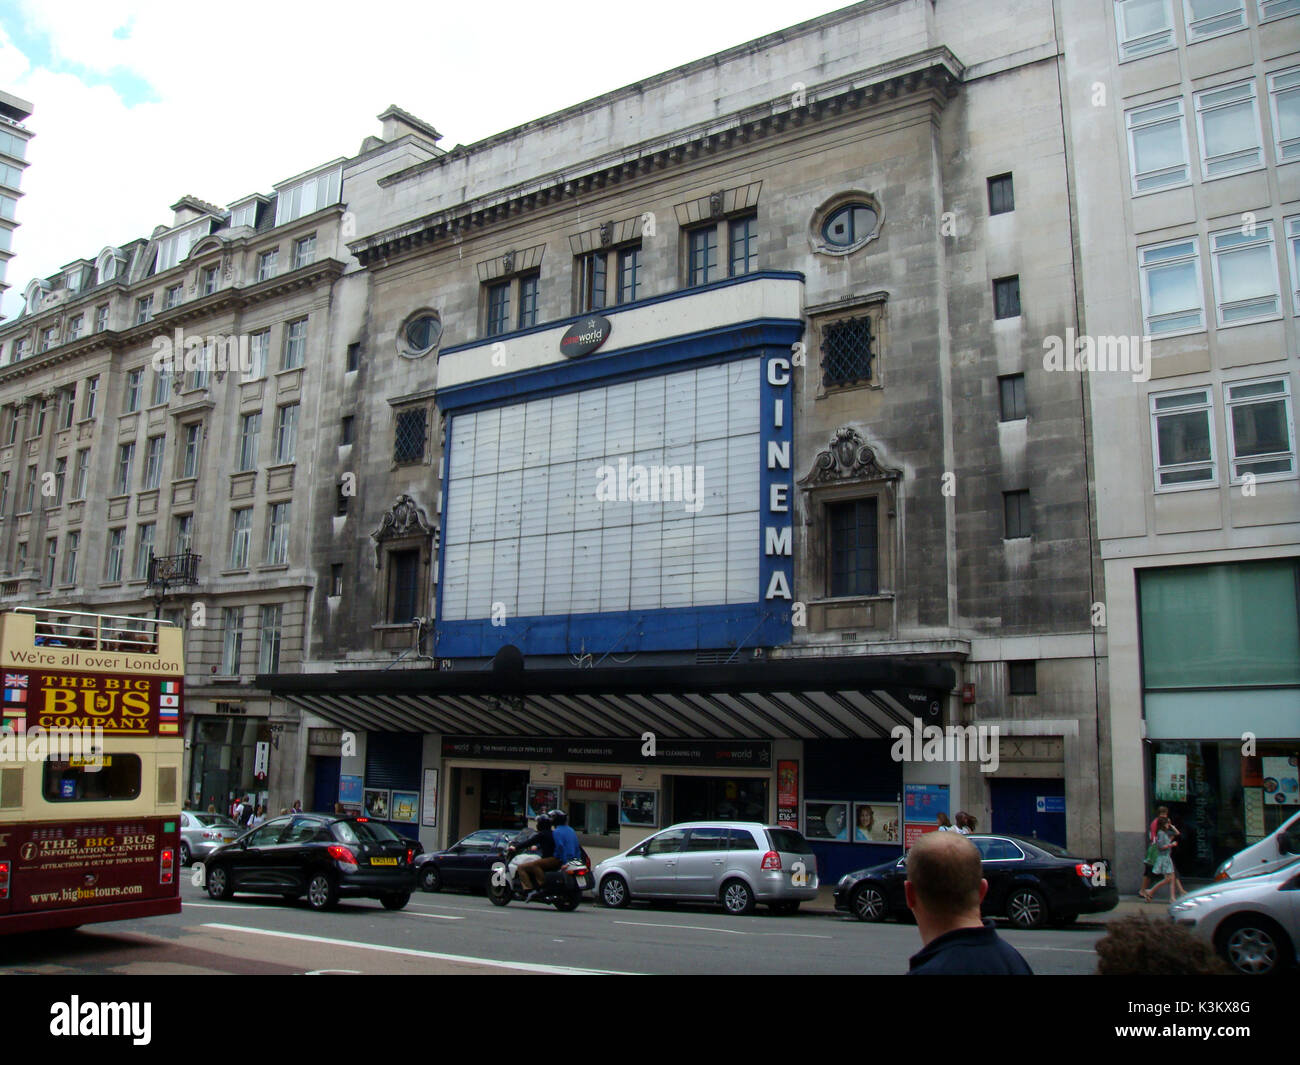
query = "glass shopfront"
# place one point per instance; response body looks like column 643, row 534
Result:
column 1219, row 800
column 222, row 760
column 1221, row 698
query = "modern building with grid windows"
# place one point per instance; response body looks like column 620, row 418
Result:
column 1187, row 166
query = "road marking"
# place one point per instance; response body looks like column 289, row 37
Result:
column 524, row 966
column 436, row 916
column 796, row 935
column 211, row 905
column 692, row 927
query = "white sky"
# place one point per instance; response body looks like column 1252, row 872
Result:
column 138, row 102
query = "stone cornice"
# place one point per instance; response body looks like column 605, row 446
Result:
column 205, row 307
column 936, row 71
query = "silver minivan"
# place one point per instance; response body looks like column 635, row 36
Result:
column 1279, row 847
column 737, row 864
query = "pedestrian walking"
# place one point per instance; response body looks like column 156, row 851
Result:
column 944, row 824
column 1166, row 841
column 258, row 818
column 965, row 823
column 1152, row 852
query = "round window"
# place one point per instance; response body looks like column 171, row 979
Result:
column 423, row 333
column 854, row 223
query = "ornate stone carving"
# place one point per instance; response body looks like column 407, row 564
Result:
column 508, row 262
column 715, row 205
column 403, row 518
column 606, row 234
column 848, row 458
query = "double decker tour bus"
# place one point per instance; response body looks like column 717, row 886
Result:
column 90, row 768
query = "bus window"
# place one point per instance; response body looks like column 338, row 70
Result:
column 119, row 779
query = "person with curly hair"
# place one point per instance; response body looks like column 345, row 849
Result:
column 1136, row 946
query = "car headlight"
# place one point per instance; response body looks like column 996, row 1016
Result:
column 845, row 880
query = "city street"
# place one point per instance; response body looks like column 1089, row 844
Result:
column 453, row 933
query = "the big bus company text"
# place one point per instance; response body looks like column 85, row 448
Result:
column 90, row 768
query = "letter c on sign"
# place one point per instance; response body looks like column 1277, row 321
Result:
column 779, row 364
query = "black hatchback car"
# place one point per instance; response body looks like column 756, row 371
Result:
column 1032, row 883
column 322, row 856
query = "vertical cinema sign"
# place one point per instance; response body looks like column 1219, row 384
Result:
column 776, row 481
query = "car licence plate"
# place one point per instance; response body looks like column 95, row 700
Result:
column 383, row 861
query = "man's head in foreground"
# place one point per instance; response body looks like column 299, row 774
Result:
column 945, row 884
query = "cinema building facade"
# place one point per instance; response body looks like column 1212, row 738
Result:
column 694, row 438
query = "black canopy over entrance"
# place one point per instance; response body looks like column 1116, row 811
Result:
column 787, row 699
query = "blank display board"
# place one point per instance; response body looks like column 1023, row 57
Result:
column 531, row 528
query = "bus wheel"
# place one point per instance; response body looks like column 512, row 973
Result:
column 219, row 885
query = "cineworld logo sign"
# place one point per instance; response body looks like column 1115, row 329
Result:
column 778, row 533
column 582, row 338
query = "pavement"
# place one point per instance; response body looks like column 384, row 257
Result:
column 1128, row 904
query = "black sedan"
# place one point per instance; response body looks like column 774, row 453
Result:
column 1032, row 883
column 467, row 864
column 322, row 856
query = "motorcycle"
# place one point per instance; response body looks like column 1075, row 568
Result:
column 561, row 888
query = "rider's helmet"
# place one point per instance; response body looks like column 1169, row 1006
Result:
column 543, row 821
column 559, row 817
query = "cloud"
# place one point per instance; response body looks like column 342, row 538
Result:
column 137, row 103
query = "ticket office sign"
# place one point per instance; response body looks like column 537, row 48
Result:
column 119, row 705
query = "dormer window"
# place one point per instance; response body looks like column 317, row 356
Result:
column 309, row 196
column 244, row 214
column 107, row 265
column 173, row 248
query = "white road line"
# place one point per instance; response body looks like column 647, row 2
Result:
column 796, row 935
column 693, row 927
column 434, row 916
column 211, row 905
column 523, row 966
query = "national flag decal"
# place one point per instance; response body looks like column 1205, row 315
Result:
column 15, row 695
column 169, row 700
column 170, row 687
column 15, row 680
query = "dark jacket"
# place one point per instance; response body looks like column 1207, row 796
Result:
column 968, row 952
column 543, row 841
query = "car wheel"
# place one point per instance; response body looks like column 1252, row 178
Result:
column 396, row 901
column 1252, row 945
column 219, row 883
column 322, row 892
column 737, row 899
column 185, row 854
column 430, row 878
column 1026, row 908
column 783, row 909
column 867, row 903
column 614, row 892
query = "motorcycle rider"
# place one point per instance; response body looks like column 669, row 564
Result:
column 567, row 847
column 531, row 874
